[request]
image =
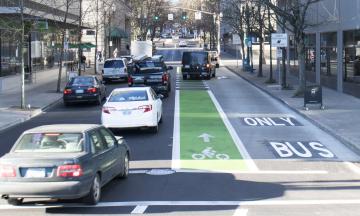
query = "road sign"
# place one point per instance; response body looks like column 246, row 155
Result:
column 170, row 16
column 236, row 39
column 279, row 40
column 198, row 15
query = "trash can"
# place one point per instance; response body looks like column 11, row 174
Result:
column 313, row 95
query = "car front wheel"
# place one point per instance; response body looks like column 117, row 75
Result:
column 125, row 171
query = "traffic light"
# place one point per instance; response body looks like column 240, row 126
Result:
column 184, row 16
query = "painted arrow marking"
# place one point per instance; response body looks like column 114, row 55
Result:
column 206, row 137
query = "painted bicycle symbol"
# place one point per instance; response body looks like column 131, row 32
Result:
column 209, row 152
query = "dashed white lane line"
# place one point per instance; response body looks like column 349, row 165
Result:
column 239, row 144
column 240, row 212
column 139, row 209
column 195, row 203
column 260, row 172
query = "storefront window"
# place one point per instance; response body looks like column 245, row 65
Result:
column 328, row 54
column 352, row 56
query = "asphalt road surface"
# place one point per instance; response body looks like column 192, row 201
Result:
column 224, row 148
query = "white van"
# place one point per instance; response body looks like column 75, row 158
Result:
column 115, row 69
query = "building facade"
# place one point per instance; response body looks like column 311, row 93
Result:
column 42, row 23
column 333, row 45
column 111, row 21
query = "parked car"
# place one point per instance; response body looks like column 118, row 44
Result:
column 63, row 162
column 115, row 69
column 152, row 72
column 182, row 43
column 84, row 89
column 131, row 108
column 198, row 64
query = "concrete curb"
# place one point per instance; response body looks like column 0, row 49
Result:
column 33, row 114
column 324, row 128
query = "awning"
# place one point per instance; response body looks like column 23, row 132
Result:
column 83, row 46
column 117, row 32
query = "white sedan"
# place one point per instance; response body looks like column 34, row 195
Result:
column 132, row 107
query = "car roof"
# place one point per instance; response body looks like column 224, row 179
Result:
column 132, row 88
column 63, row 128
column 112, row 59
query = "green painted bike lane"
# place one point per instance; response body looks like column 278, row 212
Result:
column 205, row 143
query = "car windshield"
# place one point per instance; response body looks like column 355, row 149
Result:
column 51, row 142
column 194, row 58
column 114, row 64
column 82, row 81
column 126, row 96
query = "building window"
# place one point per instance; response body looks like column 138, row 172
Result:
column 328, row 54
column 352, row 56
column 90, row 32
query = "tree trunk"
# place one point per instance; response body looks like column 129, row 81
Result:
column 61, row 61
column 301, row 57
column 261, row 55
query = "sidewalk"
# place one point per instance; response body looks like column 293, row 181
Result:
column 341, row 117
column 40, row 94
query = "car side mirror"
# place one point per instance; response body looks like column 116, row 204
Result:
column 160, row 96
column 170, row 67
column 120, row 140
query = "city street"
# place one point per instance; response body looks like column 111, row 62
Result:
column 224, row 148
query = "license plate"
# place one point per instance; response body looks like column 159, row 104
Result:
column 152, row 80
column 187, row 66
column 127, row 112
column 79, row 91
column 35, row 173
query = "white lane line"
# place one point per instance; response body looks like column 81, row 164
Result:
column 195, row 203
column 239, row 144
column 352, row 167
column 260, row 172
column 139, row 209
column 175, row 162
column 240, row 212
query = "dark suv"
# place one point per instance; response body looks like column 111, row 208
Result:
column 198, row 64
column 151, row 72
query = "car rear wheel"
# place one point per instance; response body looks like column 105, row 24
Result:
column 125, row 171
column 15, row 201
column 95, row 192
column 67, row 103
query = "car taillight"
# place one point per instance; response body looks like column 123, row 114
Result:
column 92, row 90
column 130, row 80
column 145, row 108
column 108, row 109
column 165, row 78
column 7, row 171
column 67, row 91
column 69, row 171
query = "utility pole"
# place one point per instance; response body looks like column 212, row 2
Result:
column 22, row 55
column 79, row 40
column 96, row 37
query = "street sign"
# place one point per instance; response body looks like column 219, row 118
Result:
column 236, row 39
column 198, row 15
column 170, row 16
column 279, row 40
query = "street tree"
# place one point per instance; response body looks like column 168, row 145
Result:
column 292, row 15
